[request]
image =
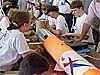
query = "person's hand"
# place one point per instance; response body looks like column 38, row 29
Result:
column 50, row 28
column 39, row 49
column 70, row 41
column 67, row 34
column 77, row 40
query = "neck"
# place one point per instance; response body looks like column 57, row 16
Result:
column 82, row 12
column 21, row 30
column 56, row 15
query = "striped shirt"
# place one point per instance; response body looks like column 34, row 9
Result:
column 93, row 11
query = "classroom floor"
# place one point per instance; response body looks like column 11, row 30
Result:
column 95, row 62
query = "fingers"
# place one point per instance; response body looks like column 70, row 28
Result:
column 77, row 40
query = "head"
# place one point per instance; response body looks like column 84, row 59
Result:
column 21, row 21
column 12, row 12
column 44, row 7
column 77, row 8
column 33, row 64
column 6, row 6
column 53, row 11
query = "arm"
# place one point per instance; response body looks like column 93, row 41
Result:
column 75, row 35
column 88, row 21
column 21, row 46
column 84, row 32
column 27, row 53
column 56, row 32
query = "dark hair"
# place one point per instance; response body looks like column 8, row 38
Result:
column 0, row 29
column 6, row 6
column 33, row 64
column 76, row 4
column 18, row 20
column 52, row 9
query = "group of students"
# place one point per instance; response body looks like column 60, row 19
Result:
column 61, row 26
column 13, row 44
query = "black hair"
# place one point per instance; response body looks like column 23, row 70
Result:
column 33, row 64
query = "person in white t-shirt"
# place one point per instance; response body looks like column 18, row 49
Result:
column 64, row 10
column 4, row 22
column 61, row 25
column 78, row 10
column 44, row 16
column 13, row 44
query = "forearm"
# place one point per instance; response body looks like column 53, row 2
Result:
column 78, row 36
column 27, row 53
column 56, row 32
column 84, row 30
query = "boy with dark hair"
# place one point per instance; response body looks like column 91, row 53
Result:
column 60, row 22
column 93, row 11
column 78, row 10
column 33, row 64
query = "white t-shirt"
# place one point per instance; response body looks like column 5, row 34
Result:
column 43, row 17
column 4, row 23
column 63, row 6
column 61, row 24
column 79, row 25
column 50, row 19
column 12, row 45
column 35, row 12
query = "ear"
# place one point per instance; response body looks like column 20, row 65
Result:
column 81, row 8
column 24, row 24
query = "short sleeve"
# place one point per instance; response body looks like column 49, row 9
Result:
column 20, row 44
column 91, row 15
column 59, row 24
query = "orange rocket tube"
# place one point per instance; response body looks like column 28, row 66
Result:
column 57, row 48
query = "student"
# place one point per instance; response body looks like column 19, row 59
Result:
column 13, row 44
column 34, row 64
column 78, row 10
column 64, row 10
column 44, row 16
column 4, row 23
column 61, row 25
column 6, row 6
column 93, row 11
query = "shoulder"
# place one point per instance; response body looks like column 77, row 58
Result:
column 16, row 33
column 84, row 15
column 60, row 17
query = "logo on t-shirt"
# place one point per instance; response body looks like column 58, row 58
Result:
column 3, row 38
